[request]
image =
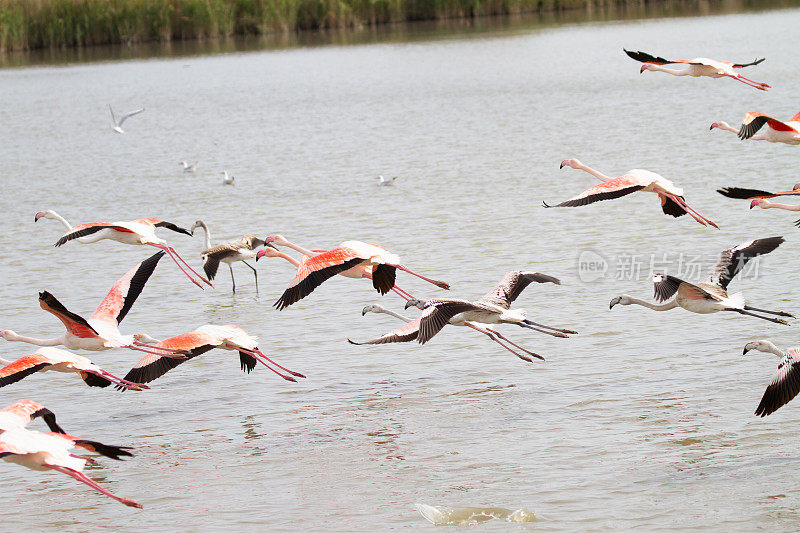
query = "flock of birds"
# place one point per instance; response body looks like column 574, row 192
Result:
column 359, row 260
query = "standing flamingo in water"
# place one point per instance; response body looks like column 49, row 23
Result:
column 140, row 231
column 698, row 67
column 711, row 295
column 787, row 132
column 49, row 358
column 51, row 451
column 363, row 271
column 317, row 268
column 198, row 342
column 672, row 202
column 101, row 330
column 228, row 252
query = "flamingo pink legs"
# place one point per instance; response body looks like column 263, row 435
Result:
column 694, row 214
column 119, row 381
column 440, row 284
column 178, row 260
column 260, row 357
column 496, row 336
column 751, row 83
column 80, row 476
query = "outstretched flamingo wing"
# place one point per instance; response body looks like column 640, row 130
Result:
column 123, row 294
column 28, row 410
column 153, row 366
column 733, row 260
column 163, row 224
column 754, row 62
column 405, row 333
column 23, row 367
column 743, row 193
column 608, row 190
column 437, row 314
column 511, row 286
column 644, row 57
column 82, row 230
column 107, row 450
column 753, row 122
column 75, row 324
column 313, row 271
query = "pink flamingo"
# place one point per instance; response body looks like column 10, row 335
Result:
column 698, row 67
column 49, row 358
column 672, row 202
column 136, row 232
column 198, row 342
column 315, row 268
column 787, row 132
column 22, row 412
column 101, row 330
column 362, row 271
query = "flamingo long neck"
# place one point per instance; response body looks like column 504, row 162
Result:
column 62, row 220
column 655, row 307
column 300, row 249
column 392, row 313
column 596, row 173
column 788, row 207
column 38, row 342
column 727, row 127
column 208, row 233
column 771, row 348
column 673, row 71
column 289, row 258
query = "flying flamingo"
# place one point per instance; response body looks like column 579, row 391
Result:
column 410, row 332
column 672, row 202
column 698, row 67
column 22, row 412
column 118, row 123
column 101, row 330
column 198, row 342
column 787, row 132
column 48, row 358
column 51, row 451
column 785, row 384
column 492, row 308
column 711, row 295
column 363, row 271
column 312, row 272
column 140, row 231
column 228, row 252
column 741, row 193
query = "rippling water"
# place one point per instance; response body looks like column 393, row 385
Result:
column 644, row 419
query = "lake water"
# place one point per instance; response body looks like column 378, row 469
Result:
column 643, row 419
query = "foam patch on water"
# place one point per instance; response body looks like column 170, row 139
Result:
column 470, row 516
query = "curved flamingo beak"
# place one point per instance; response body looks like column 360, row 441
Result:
column 754, row 203
column 644, row 67
column 39, row 215
column 564, row 163
column 260, row 254
column 714, row 125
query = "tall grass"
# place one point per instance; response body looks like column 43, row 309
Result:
column 28, row 24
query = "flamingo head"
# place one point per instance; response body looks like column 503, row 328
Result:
column 414, row 302
column 197, row 224
column 761, row 346
column 622, row 300
column 715, row 125
column 8, row 335
column 43, row 214
column 278, row 239
column 757, row 202
column 571, row 163
column 646, row 66
column 371, row 309
column 268, row 251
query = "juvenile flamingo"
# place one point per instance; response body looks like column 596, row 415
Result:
column 198, row 342
column 711, row 295
column 317, row 268
column 49, row 358
column 363, row 271
column 51, row 451
column 785, row 384
column 787, row 132
column 698, row 67
column 101, row 330
column 136, row 232
column 672, row 201
column 22, row 412
column 410, row 332
column 228, row 252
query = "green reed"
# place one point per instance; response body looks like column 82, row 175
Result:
column 28, row 24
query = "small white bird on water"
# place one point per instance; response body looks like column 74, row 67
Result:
column 189, row 168
column 385, row 181
column 227, row 180
column 118, row 123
